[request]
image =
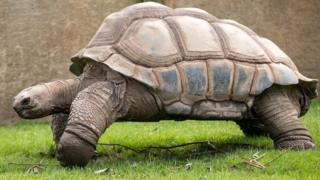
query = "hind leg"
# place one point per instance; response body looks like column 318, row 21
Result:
column 279, row 112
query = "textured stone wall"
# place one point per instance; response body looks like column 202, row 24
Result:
column 38, row 37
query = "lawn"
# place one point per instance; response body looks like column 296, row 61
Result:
column 28, row 143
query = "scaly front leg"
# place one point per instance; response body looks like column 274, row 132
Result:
column 92, row 111
column 95, row 108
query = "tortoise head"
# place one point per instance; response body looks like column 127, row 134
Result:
column 33, row 102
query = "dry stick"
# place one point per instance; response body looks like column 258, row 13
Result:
column 31, row 164
column 252, row 161
column 33, row 168
column 249, row 162
column 124, row 146
column 160, row 147
column 246, row 160
column 167, row 148
column 267, row 163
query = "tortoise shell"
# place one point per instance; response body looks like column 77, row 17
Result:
column 187, row 55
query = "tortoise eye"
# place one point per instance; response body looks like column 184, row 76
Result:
column 25, row 101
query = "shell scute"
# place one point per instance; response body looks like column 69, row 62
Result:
column 263, row 79
column 283, row 74
column 121, row 64
column 197, row 38
column 116, row 23
column 169, row 83
column 178, row 108
column 194, row 79
column 220, row 74
column 145, row 75
column 243, row 76
column 149, row 42
column 222, row 110
column 239, row 45
column 276, row 54
column 110, row 30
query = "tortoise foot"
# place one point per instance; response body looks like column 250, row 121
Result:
column 296, row 145
column 72, row 151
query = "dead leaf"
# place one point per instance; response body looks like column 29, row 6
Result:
column 36, row 169
column 102, row 171
column 188, row 166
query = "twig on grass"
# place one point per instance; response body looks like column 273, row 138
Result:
column 31, row 164
column 147, row 149
column 277, row 157
column 253, row 161
column 120, row 145
column 33, row 167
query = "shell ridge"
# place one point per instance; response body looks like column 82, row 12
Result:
column 182, row 80
column 222, row 39
column 263, row 79
column 208, row 81
column 179, row 79
column 249, row 31
column 169, row 84
column 232, row 79
column 253, row 79
column 273, row 73
column 178, row 36
column 195, row 12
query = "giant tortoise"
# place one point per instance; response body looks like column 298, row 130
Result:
column 149, row 62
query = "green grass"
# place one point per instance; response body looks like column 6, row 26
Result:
column 31, row 142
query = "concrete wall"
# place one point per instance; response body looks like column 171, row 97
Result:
column 38, row 37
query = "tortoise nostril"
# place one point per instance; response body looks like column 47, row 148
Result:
column 25, row 101
column 15, row 108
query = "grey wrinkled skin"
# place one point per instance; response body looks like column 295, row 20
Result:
column 58, row 124
column 279, row 109
column 149, row 62
column 94, row 109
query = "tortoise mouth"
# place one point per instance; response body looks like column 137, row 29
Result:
column 19, row 108
column 25, row 111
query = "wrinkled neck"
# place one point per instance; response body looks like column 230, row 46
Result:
column 62, row 93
